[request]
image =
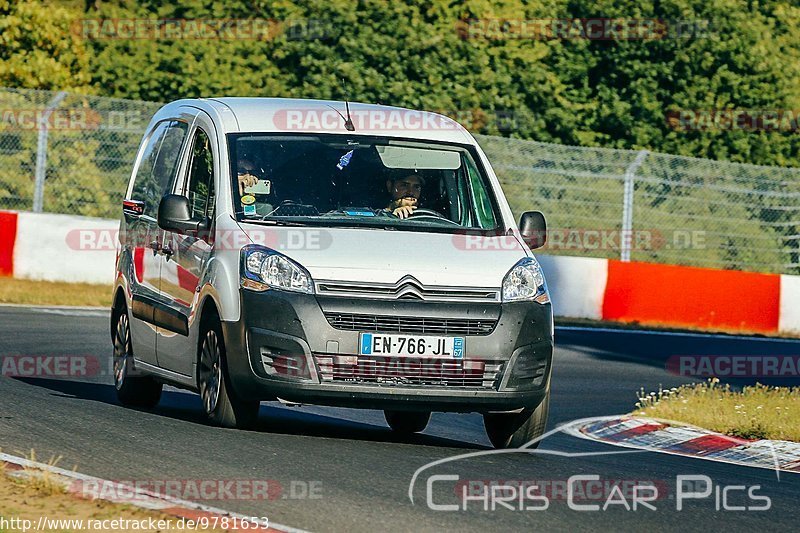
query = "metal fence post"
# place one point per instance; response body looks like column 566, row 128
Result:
column 41, row 152
column 626, row 235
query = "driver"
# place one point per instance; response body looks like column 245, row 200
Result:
column 405, row 192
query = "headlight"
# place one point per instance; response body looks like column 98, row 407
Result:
column 264, row 269
column 525, row 282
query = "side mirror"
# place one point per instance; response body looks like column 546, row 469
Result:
column 174, row 214
column 533, row 228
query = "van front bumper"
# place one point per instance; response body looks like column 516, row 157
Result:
column 284, row 346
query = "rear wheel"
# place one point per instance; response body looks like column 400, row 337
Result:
column 512, row 430
column 132, row 391
column 407, row 422
column 220, row 403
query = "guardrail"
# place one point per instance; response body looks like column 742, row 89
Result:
column 581, row 287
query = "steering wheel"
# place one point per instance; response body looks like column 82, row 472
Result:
column 430, row 213
column 422, row 212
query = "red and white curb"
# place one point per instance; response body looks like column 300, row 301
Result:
column 80, row 486
column 681, row 439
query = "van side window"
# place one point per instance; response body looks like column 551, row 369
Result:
column 201, row 177
column 159, row 163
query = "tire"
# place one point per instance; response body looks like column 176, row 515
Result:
column 512, row 430
column 407, row 422
column 221, row 405
column 132, row 391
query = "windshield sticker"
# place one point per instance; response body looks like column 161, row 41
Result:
column 249, row 209
column 359, row 213
column 344, row 160
column 248, row 199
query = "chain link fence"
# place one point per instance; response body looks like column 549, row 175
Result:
column 643, row 206
column 68, row 153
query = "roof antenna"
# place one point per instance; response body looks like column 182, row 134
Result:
column 348, row 122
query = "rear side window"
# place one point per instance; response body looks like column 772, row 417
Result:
column 159, row 164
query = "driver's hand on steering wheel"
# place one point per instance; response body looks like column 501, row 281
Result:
column 404, row 211
column 403, row 207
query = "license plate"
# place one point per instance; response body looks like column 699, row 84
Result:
column 411, row 345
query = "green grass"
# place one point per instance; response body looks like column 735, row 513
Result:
column 756, row 412
column 23, row 291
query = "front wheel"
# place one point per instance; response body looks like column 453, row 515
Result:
column 512, row 430
column 407, row 422
column 220, row 403
column 132, row 391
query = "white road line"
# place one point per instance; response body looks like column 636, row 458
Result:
column 65, row 307
column 75, row 312
column 62, row 310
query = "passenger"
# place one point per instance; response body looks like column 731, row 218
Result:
column 245, row 170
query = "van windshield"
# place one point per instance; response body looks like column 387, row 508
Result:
column 360, row 181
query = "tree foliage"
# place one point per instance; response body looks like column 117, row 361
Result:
column 418, row 53
column 38, row 49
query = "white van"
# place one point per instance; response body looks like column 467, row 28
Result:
column 328, row 253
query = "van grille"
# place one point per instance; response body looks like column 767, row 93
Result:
column 407, row 288
column 411, row 324
column 409, row 371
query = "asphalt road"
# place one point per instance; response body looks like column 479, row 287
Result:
column 339, row 469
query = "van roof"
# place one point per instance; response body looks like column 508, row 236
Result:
column 295, row 115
